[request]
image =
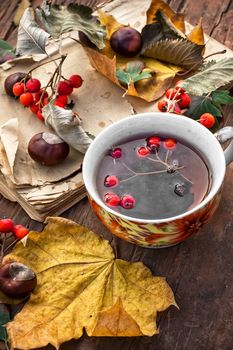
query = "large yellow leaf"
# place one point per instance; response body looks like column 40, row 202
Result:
column 82, row 285
column 148, row 89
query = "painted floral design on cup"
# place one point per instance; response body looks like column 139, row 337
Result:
column 157, row 235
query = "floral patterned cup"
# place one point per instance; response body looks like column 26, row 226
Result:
column 173, row 230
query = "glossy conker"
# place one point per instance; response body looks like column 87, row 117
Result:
column 126, row 41
column 48, row 149
column 17, row 280
column 11, row 80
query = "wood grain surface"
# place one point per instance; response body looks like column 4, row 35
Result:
column 199, row 270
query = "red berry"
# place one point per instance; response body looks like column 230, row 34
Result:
column 177, row 109
column 177, row 87
column 172, row 94
column 63, row 99
column 38, row 95
column 76, row 80
column 20, row 231
column 33, row 85
column 18, row 89
column 110, row 181
column 116, row 153
column 26, row 99
column 127, row 201
column 170, row 143
column 59, row 104
column 184, row 101
column 64, row 88
column 40, row 115
column 143, row 151
column 34, row 108
column 111, row 199
column 162, row 106
column 208, row 120
column 45, row 101
column 153, row 140
column 6, row 225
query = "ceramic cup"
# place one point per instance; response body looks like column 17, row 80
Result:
column 173, row 230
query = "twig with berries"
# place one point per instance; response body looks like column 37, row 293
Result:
column 9, row 230
column 30, row 93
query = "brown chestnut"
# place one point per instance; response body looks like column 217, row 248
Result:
column 17, row 280
column 126, row 41
column 48, row 149
column 11, row 80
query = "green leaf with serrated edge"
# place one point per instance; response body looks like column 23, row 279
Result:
column 207, row 65
column 5, row 45
column 221, row 97
column 180, row 52
column 61, row 19
column 210, row 79
column 132, row 73
column 200, row 105
column 161, row 29
column 4, row 319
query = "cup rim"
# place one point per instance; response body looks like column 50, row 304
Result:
column 125, row 120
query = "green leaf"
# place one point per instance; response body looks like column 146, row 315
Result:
column 5, row 45
column 161, row 29
column 31, row 39
column 221, row 97
column 4, row 319
column 213, row 77
column 180, row 52
column 133, row 72
column 200, row 105
column 62, row 19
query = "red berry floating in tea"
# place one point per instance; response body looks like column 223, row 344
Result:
column 153, row 140
column 143, row 151
column 170, row 144
column 111, row 199
column 127, row 201
column 110, row 181
column 116, row 153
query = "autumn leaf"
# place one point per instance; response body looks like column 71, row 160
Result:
column 62, row 19
column 67, row 126
column 82, row 285
column 31, row 39
column 214, row 75
column 148, row 89
column 176, row 18
column 161, row 29
column 180, row 52
column 197, row 34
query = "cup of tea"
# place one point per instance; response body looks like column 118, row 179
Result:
column 154, row 179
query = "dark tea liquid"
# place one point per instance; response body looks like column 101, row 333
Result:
column 152, row 178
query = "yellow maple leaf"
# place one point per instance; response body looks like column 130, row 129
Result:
column 82, row 285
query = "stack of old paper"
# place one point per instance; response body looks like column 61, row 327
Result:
column 44, row 191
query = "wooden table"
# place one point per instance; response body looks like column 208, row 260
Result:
column 200, row 270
